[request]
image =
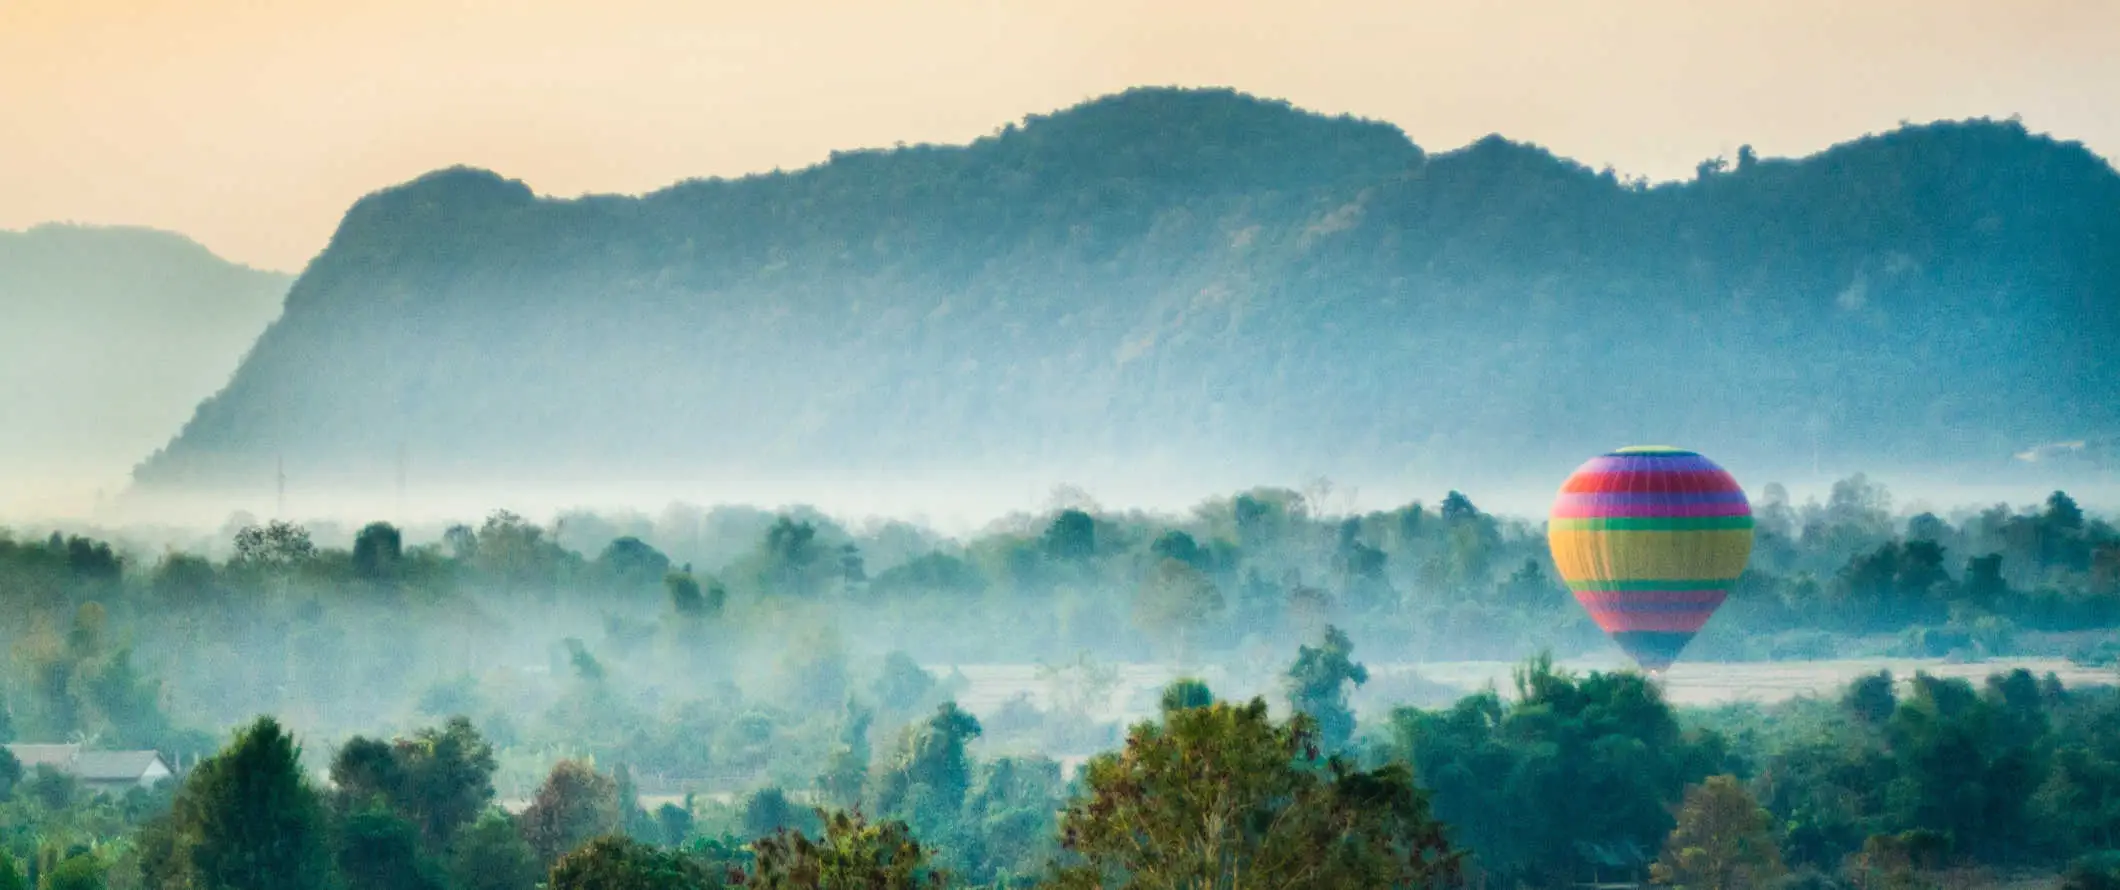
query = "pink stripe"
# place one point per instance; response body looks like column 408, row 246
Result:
column 1572, row 506
column 1621, row 622
column 1620, row 599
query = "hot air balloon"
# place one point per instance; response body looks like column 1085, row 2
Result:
column 1650, row 540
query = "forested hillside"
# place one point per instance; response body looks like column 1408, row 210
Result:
column 109, row 337
column 1198, row 280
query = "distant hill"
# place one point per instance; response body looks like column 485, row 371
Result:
column 1195, row 281
column 109, row 338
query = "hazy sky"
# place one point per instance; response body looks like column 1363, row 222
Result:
column 251, row 125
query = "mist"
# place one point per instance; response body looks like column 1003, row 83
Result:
column 939, row 503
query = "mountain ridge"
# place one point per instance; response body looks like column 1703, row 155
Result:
column 1197, row 276
column 113, row 335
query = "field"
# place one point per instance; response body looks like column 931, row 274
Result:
column 1686, row 684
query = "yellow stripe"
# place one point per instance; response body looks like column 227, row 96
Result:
column 1631, row 555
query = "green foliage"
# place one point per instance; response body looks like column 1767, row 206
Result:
column 10, row 774
column 768, row 811
column 276, row 547
column 1176, row 599
column 932, row 573
column 622, row 863
column 1186, row 692
column 2099, row 872
column 1072, row 537
column 246, row 819
column 853, row 854
column 1870, row 699
column 903, row 683
column 926, row 781
column 380, row 850
column 690, row 599
column 575, row 803
column 1317, row 686
column 1576, row 774
column 1723, row 841
column 1223, row 796
column 846, row 773
column 632, row 564
column 377, row 551
column 77, row 872
column 11, row 874
column 492, row 855
column 438, row 780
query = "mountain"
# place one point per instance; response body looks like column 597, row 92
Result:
column 111, row 338
column 1194, row 283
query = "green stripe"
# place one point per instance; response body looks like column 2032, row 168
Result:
column 1653, row 524
column 1587, row 586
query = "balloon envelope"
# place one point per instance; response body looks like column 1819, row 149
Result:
column 1650, row 539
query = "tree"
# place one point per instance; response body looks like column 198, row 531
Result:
column 448, row 779
column 842, row 780
column 622, row 863
column 1186, row 692
column 691, row 600
column 10, row 773
column 1072, row 537
column 245, row 819
column 768, row 811
column 632, row 564
column 1175, row 599
column 380, row 850
column 1221, row 796
column 575, row 803
column 1724, row 841
column 1176, row 544
column 1568, row 775
column 674, row 823
column 1317, row 686
column 1529, row 588
column 928, row 780
column 902, row 683
column 853, row 855
column 377, row 551
column 439, row 780
column 11, row 874
column 1870, row 698
column 2093, row 873
column 492, row 855
column 80, row 871
column 793, row 561
column 633, row 820
column 275, row 547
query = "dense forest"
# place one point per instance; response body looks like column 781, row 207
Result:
column 1200, row 284
column 741, row 697
column 111, row 338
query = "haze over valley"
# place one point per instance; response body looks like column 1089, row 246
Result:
column 1166, row 294
column 1173, row 487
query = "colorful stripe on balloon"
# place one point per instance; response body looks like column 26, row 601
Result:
column 1650, row 541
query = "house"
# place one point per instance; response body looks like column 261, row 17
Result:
column 112, row 772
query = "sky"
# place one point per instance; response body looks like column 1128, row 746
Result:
column 251, row 126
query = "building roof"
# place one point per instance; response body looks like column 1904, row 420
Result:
column 57, row 757
column 116, row 766
column 89, row 766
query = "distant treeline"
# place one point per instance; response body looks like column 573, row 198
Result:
column 107, row 643
column 791, row 673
